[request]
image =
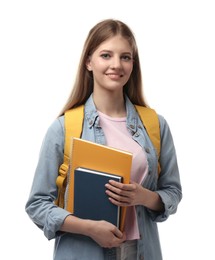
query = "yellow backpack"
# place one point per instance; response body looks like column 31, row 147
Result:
column 73, row 128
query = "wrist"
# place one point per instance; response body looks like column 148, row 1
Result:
column 88, row 227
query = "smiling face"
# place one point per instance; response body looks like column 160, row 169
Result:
column 111, row 64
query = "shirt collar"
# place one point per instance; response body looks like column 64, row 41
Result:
column 91, row 114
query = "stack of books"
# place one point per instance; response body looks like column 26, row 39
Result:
column 91, row 167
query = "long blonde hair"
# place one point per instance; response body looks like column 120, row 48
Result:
column 83, row 86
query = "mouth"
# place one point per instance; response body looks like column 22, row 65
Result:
column 114, row 76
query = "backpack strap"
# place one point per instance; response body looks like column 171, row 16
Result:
column 150, row 121
column 73, row 128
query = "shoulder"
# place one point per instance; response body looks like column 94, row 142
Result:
column 56, row 129
column 162, row 120
column 165, row 131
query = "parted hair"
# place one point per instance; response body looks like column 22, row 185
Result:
column 83, row 85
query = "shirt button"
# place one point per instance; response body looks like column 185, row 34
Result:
column 137, row 134
column 132, row 126
column 147, row 150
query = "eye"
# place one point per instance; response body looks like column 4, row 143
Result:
column 105, row 55
column 126, row 57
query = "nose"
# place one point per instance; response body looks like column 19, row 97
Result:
column 115, row 63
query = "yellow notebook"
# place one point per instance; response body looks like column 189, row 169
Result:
column 101, row 158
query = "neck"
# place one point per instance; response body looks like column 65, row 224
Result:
column 111, row 105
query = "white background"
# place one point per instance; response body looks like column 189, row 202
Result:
column 40, row 46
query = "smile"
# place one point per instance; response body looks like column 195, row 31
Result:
column 114, row 76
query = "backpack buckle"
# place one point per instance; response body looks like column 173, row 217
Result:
column 63, row 170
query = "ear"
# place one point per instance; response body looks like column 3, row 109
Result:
column 88, row 64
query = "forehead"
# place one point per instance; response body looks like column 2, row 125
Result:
column 116, row 43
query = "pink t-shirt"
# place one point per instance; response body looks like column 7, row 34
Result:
column 117, row 136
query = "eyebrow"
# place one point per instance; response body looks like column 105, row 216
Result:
column 129, row 53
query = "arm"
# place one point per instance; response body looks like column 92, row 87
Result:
column 103, row 232
column 40, row 205
column 133, row 194
column 162, row 201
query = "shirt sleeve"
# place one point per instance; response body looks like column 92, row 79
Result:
column 40, row 205
column 169, row 184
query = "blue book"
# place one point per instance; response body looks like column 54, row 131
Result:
column 90, row 199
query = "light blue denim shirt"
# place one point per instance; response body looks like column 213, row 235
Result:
column 47, row 216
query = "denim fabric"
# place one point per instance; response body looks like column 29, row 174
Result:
column 49, row 218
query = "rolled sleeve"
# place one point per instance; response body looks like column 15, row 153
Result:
column 40, row 205
column 169, row 185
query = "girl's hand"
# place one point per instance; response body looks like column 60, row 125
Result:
column 124, row 194
column 105, row 234
column 133, row 194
